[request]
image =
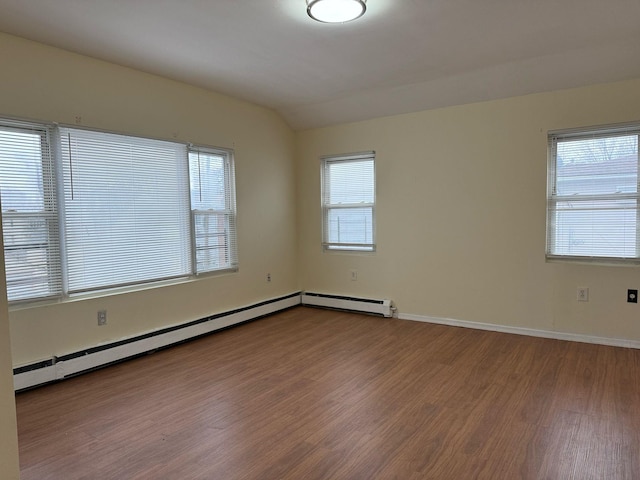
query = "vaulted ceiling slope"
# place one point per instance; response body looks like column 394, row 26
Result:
column 402, row 56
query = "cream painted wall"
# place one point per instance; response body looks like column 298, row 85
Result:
column 9, row 466
column 461, row 198
column 460, row 215
column 49, row 84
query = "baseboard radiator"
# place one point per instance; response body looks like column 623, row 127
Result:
column 58, row 368
column 363, row 305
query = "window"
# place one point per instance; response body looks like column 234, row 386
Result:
column 593, row 194
column 213, row 209
column 105, row 210
column 126, row 210
column 29, row 214
column 348, row 202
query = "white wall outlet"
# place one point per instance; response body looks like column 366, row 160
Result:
column 583, row 294
column 354, row 275
column 268, row 277
column 102, row 317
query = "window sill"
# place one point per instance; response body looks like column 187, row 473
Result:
column 109, row 292
column 594, row 261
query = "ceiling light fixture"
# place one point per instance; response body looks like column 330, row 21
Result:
column 336, row 11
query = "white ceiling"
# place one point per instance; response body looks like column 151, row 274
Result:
column 402, row 56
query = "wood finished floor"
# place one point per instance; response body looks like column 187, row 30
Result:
column 315, row 394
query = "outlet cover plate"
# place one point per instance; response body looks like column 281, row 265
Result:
column 583, row 294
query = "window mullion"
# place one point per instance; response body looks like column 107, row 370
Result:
column 59, row 183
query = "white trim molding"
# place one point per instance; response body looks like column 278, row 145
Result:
column 572, row 337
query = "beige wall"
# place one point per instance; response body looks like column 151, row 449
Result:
column 461, row 215
column 50, row 84
column 9, row 468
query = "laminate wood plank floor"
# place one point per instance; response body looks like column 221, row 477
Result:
column 317, row 394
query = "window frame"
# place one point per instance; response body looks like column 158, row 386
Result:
column 49, row 213
column 53, row 177
column 347, row 247
column 229, row 213
column 553, row 199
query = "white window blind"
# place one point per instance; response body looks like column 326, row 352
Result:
column 348, row 202
column 593, row 194
column 29, row 215
column 213, row 209
column 126, row 209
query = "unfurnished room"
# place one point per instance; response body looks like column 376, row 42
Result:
column 319, row 239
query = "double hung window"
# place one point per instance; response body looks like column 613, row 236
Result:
column 86, row 210
column 348, row 202
column 29, row 212
column 592, row 204
column 213, row 209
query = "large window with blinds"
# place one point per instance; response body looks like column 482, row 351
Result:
column 348, row 202
column 592, row 205
column 85, row 210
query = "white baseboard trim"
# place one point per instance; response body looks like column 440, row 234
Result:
column 60, row 367
column 572, row 337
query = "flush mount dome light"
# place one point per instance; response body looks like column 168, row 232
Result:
column 336, row 11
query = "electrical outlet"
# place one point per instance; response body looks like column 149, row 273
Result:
column 632, row 296
column 102, row 317
column 354, row 275
column 268, row 277
column 583, row 294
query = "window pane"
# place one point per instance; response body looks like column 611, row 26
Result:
column 207, row 176
column 27, row 256
column 350, row 182
column 597, row 166
column 595, row 228
column 213, row 251
column 350, row 225
column 21, row 171
column 126, row 208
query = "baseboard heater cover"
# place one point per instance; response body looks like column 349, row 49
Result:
column 364, row 305
column 64, row 366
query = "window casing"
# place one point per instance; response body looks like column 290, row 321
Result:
column 592, row 201
column 85, row 211
column 348, row 202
